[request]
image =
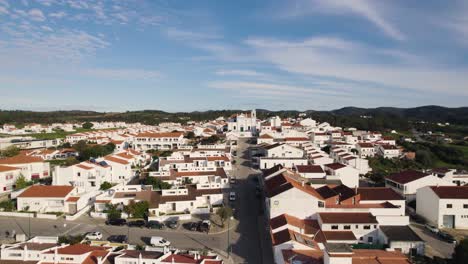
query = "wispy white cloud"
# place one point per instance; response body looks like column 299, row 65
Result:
column 3, row 10
column 362, row 8
column 36, row 15
column 362, row 63
column 234, row 72
column 190, row 35
column 122, row 74
column 59, row 14
column 271, row 88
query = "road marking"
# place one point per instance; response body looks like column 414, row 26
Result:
column 70, row 229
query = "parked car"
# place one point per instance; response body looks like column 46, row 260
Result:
column 116, row 222
column 172, row 224
column 232, row 180
column 232, row 196
column 192, row 226
column 155, row 225
column 431, row 228
column 118, row 239
column 93, row 236
column 137, row 223
column 446, row 237
column 204, row 226
column 157, row 241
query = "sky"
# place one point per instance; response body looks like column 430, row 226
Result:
column 116, row 55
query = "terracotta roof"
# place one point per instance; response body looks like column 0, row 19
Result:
column 4, row 168
column 335, row 166
column 84, row 167
column 47, row 191
column 143, row 253
column 308, row 226
column 161, row 134
column 451, row 192
column 377, row 256
column 124, row 155
column 265, row 136
column 21, row 159
column 347, row 218
column 73, row 199
column 268, row 172
column 309, row 169
column 310, row 256
column 215, row 158
column 407, row 176
column 78, row 249
column 296, row 139
column 338, row 235
column 378, row 194
column 116, row 160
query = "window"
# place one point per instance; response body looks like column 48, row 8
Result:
column 465, row 206
column 375, row 226
column 347, row 227
column 357, row 226
column 370, row 239
column 449, row 205
column 334, row 227
column 321, row 204
column 367, row 227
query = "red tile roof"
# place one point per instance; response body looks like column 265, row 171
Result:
column 451, row 192
column 378, row 194
column 21, row 159
column 347, row 218
column 47, row 191
column 407, row 176
column 309, row 169
column 4, row 168
column 338, row 235
column 335, row 166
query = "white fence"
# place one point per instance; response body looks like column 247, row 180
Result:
column 47, row 216
column 14, row 214
column 163, row 218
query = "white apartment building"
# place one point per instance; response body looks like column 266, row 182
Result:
column 348, row 175
column 365, row 149
column 444, row 206
column 387, row 151
column 158, row 140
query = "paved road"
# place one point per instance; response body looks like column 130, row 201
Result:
column 434, row 246
column 179, row 238
column 249, row 244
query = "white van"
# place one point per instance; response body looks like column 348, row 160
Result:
column 232, row 196
column 157, row 241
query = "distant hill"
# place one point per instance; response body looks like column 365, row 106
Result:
column 378, row 118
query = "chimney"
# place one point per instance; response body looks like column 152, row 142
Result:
column 99, row 260
column 303, row 183
column 25, row 253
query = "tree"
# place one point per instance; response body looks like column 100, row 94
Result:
column 137, row 210
column 112, row 212
column 460, row 255
column 10, row 151
column 22, row 183
column 211, row 140
column 87, row 125
column 190, row 135
column 157, row 184
column 224, row 213
column 105, row 186
column 424, row 157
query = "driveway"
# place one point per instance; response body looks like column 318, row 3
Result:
column 434, row 246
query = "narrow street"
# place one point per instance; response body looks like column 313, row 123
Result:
column 249, row 244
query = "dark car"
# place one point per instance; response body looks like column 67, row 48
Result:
column 204, row 226
column 137, row 223
column 192, row 226
column 154, row 225
column 116, row 222
column 117, row 239
column 172, row 224
column 446, row 237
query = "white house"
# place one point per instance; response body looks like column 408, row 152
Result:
column 31, row 167
column 365, row 149
column 310, row 171
column 348, row 175
column 48, row 198
column 408, row 182
column 8, row 177
column 387, row 151
column 444, row 206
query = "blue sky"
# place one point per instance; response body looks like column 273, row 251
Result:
column 200, row 55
